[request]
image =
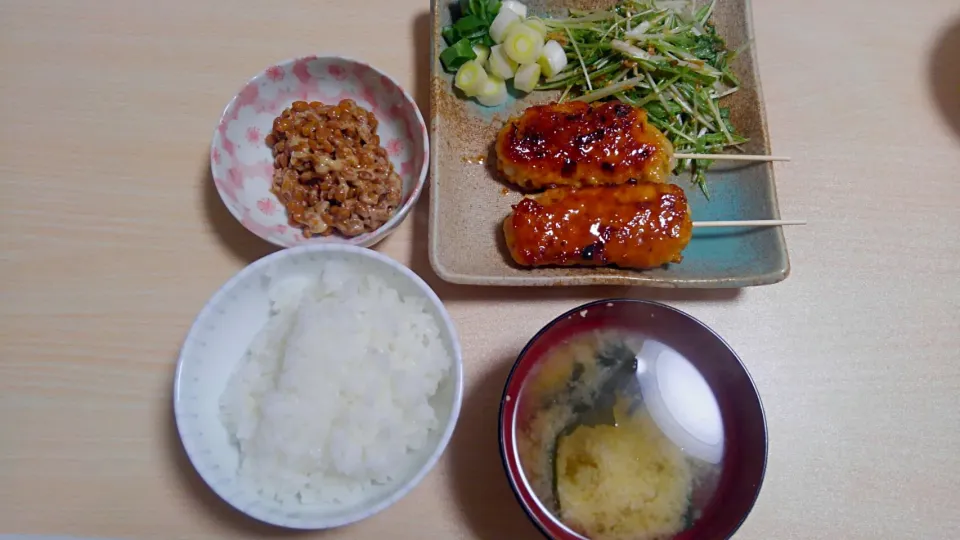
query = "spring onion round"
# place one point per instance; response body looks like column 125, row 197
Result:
column 455, row 55
column 500, row 64
column 527, row 77
column 469, row 30
column 538, row 25
column 523, row 44
column 493, row 93
column 553, row 59
column 514, row 6
column 503, row 23
column 470, row 78
column 482, row 52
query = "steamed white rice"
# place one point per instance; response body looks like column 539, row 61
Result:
column 332, row 398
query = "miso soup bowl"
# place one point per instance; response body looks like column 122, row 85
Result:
column 742, row 461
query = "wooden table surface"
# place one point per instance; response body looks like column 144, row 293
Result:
column 112, row 238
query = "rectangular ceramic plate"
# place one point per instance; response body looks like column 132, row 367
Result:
column 468, row 201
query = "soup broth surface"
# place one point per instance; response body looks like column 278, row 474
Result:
column 619, row 437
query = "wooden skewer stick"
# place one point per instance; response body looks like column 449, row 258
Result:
column 732, row 157
column 750, row 223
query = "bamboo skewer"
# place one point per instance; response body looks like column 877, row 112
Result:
column 732, row 157
column 749, row 223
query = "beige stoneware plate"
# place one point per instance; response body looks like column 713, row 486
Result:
column 468, row 201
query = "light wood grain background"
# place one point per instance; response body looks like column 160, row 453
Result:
column 111, row 239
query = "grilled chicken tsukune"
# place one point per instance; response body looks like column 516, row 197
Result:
column 634, row 225
column 578, row 144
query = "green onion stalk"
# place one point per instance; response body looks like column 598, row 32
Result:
column 470, row 31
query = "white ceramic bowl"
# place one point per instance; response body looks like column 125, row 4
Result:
column 218, row 340
column 242, row 163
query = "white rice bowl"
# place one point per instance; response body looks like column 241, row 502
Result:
column 300, row 415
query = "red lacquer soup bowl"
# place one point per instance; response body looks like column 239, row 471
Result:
column 692, row 387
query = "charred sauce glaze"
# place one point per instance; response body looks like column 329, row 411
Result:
column 577, row 134
column 643, row 225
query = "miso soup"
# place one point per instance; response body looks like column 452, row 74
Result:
column 619, row 437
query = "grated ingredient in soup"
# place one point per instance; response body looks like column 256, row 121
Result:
column 622, row 482
column 592, row 453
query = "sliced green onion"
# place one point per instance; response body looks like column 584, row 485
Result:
column 450, row 35
column 493, row 93
column 552, row 59
column 503, row 22
column 538, row 25
column 467, row 25
column 527, row 77
column 514, row 6
column 523, row 44
column 471, row 78
column 500, row 64
column 455, row 55
column 482, row 52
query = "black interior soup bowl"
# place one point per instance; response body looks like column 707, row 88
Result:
column 631, row 419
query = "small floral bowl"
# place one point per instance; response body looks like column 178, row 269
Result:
column 242, row 163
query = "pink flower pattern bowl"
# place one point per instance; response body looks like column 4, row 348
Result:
column 242, row 163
